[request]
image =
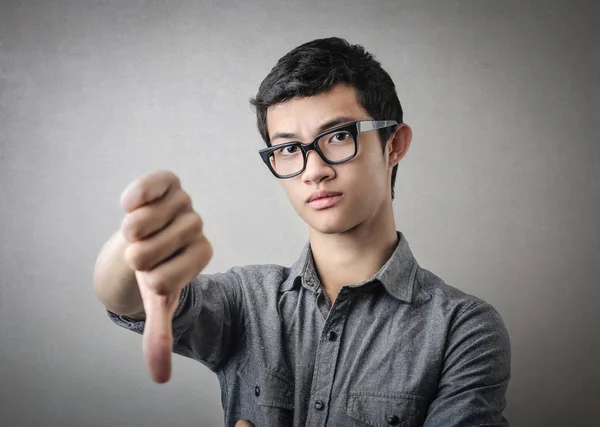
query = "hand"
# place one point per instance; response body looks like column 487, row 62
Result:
column 167, row 249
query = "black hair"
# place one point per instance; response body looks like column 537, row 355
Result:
column 316, row 67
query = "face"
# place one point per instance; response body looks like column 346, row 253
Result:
column 360, row 187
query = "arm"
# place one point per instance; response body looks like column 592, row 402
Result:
column 159, row 249
column 114, row 281
column 207, row 321
column 476, row 371
column 210, row 319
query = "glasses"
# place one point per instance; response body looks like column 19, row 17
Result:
column 335, row 146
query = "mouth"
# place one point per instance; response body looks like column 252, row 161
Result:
column 324, row 199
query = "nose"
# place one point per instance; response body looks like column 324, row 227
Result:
column 316, row 169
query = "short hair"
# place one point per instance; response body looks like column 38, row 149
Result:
column 316, row 67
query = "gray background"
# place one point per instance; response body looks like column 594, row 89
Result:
column 499, row 194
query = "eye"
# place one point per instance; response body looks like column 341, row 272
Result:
column 287, row 151
column 341, row 137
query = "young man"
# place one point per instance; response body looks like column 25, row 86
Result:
column 355, row 332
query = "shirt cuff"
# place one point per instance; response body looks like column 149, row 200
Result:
column 137, row 325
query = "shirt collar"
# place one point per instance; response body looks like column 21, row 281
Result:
column 397, row 275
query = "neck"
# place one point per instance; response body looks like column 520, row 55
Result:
column 353, row 256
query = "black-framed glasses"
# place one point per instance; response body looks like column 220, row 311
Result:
column 334, row 146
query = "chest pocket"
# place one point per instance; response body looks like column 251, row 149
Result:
column 386, row 409
column 275, row 388
column 271, row 393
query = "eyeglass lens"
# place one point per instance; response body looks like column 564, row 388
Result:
column 335, row 147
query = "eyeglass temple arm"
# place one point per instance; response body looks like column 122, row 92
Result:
column 375, row 124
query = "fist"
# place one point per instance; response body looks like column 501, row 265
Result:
column 165, row 243
column 166, row 248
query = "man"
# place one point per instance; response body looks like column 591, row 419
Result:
column 355, row 332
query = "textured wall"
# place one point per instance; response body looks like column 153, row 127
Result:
column 499, row 194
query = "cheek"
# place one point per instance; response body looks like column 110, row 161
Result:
column 292, row 191
column 369, row 172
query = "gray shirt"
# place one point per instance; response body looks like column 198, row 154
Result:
column 402, row 348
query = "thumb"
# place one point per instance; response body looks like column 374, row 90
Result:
column 244, row 423
column 157, row 341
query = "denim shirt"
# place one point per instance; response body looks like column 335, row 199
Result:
column 402, row 348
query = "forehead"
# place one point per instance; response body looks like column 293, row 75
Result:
column 302, row 116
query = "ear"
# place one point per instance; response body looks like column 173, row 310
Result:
column 398, row 144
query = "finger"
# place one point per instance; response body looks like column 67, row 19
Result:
column 146, row 254
column 244, row 423
column 147, row 189
column 157, row 342
column 150, row 218
column 179, row 270
column 158, row 339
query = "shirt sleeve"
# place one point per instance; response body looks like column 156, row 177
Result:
column 474, row 379
column 208, row 319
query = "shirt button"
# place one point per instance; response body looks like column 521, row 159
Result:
column 319, row 405
column 331, row 336
column 393, row 420
column 257, row 391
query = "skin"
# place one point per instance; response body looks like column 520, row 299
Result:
column 160, row 246
column 142, row 269
column 354, row 238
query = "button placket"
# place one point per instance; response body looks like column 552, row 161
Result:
column 327, row 355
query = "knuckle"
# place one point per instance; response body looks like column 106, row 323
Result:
column 175, row 179
column 169, row 176
column 204, row 251
column 132, row 228
column 195, row 224
column 207, row 251
column 186, row 200
column 180, row 202
column 134, row 257
column 185, row 225
column 145, row 192
column 125, row 227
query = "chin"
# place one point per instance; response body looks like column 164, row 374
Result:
column 335, row 220
column 331, row 224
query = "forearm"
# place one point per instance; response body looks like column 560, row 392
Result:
column 114, row 281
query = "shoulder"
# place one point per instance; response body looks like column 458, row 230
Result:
column 456, row 305
column 441, row 293
column 472, row 326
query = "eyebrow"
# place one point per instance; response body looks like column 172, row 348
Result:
column 327, row 125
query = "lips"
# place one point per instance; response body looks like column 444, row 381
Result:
column 324, row 199
column 323, row 194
